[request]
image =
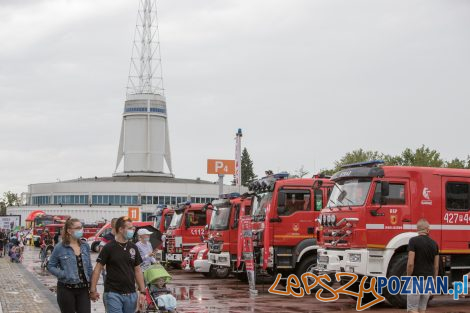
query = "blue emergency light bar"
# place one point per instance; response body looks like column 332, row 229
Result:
column 232, row 195
column 364, row 164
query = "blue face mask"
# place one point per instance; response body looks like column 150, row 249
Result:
column 147, row 239
column 129, row 234
column 78, row 234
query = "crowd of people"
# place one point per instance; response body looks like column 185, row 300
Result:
column 12, row 243
column 121, row 263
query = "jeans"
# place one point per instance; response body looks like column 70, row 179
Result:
column 120, row 303
column 73, row 300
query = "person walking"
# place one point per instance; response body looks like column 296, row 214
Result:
column 70, row 262
column 145, row 248
column 423, row 260
column 122, row 260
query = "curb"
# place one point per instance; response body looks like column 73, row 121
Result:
column 40, row 287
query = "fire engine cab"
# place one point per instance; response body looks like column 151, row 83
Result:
column 224, row 232
column 372, row 214
column 283, row 213
column 185, row 230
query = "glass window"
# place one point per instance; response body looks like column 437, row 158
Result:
column 161, row 200
column 349, row 192
column 105, row 199
column 396, row 195
column 94, row 199
column 291, row 201
column 173, row 200
column 457, row 196
column 143, row 200
column 196, row 218
column 123, row 200
column 318, row 199
column 100, row 200
column 193, row 200
column 134, row 199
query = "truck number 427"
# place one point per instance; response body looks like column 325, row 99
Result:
column 452, row 218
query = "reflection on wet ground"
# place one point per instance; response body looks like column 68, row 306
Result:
column 198, row 294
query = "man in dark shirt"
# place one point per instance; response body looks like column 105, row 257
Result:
column 423, row 260
column 122, row 260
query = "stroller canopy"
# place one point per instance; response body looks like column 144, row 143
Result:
column 154, row 272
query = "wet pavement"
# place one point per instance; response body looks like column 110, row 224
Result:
column 196, row 293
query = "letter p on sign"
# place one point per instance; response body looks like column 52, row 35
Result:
column 222, row 167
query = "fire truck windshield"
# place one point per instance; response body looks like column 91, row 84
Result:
column 349, row 192
column 220, row 218
column 260, row 203
column 176, row 220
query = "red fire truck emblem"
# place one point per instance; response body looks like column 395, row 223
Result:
column 295, row 227
column 393, row 219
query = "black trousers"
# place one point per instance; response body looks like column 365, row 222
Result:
column 73, row 300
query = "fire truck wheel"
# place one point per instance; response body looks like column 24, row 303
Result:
column 209, row 274
column 307, row 265
column 397, row 268
column 94, row 246
column 221, row 272
column 366, row 298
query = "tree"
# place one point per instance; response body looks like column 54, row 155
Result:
column 357, row 156
column 299, row 173
column 9, row 199
column 457, row 163
column 247, row 171
column 422, row 156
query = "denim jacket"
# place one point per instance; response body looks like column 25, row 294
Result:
column 63, row 263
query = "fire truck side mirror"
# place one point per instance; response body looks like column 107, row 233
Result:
column 281, row 203
column 384, row 189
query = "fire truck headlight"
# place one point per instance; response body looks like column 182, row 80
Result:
column 223, row 259
column 355, row 257
column 324, row 220
column 328, row 220
column 333, row 220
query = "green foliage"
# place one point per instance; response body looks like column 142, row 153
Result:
column 247, row 171
column 9, row 199
column 422, row 156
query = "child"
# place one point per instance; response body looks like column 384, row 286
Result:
column 162, row 295
column 15, row 254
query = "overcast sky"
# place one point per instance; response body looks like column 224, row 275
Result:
column 306, row 80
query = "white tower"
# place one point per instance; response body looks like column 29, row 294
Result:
column 144, row 143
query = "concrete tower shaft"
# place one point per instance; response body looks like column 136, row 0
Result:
column 144, row 145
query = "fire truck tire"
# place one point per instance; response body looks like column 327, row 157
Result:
column 366, row 298
column 397, row 268
column 221, row 272
column 307, row 265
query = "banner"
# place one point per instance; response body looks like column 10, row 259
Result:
column 10, row 221
column 247, row 236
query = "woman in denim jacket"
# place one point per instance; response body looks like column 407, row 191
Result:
column 70, row 262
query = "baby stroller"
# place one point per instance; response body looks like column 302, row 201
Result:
column 15, row 254
column 159, row 298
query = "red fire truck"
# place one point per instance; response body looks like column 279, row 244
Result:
column 185, row 231
column 372, row 214
column 283, row 214
column 224, row 232
column 42, row 221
